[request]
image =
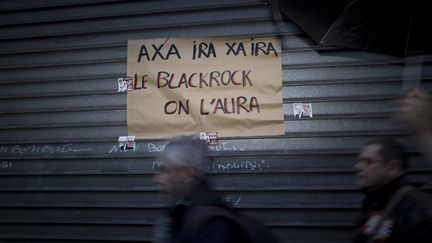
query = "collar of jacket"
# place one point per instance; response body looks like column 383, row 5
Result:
column 380, row 197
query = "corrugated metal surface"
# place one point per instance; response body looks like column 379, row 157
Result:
column 63, row 178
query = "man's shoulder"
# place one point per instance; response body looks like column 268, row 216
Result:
column 415, row 216
column 250, row 229
column 415, row 208
column 419, row 199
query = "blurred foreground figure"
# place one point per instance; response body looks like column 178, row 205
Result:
column 416, row 112
column 197, row 214
column 393, row 211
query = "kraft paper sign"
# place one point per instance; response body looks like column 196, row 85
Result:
column 192, row 85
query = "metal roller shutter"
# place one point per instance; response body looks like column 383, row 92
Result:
column 64, row 179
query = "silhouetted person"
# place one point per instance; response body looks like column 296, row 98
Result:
column 416, row 113
column 183, row 178
column 393, row 211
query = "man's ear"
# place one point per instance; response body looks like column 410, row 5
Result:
column 394, row 167
column 189, row 173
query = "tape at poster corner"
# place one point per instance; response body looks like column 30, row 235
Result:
column 127, row 143
column 301, row 110
column 125, row 84
column 210, row 137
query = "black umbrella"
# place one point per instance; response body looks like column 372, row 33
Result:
column 393, row 27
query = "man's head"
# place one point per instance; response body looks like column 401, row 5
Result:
column 379, row 162
column 183, row 161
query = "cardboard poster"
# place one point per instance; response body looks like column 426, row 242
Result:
column 191, row 85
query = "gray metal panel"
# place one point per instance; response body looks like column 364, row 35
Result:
column 63, row 103
column 116, row 8
column 133, row 22
column 8, row 5
column 108, row 39
column 64, row 178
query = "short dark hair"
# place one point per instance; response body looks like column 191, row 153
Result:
column 391, row 149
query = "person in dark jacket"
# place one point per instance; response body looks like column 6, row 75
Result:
column 415, row 112
column 183, row 178
column 392, row 212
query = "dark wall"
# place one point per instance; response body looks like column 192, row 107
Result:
column 63, row 177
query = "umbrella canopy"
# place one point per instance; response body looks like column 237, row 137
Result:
column 393, row 27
